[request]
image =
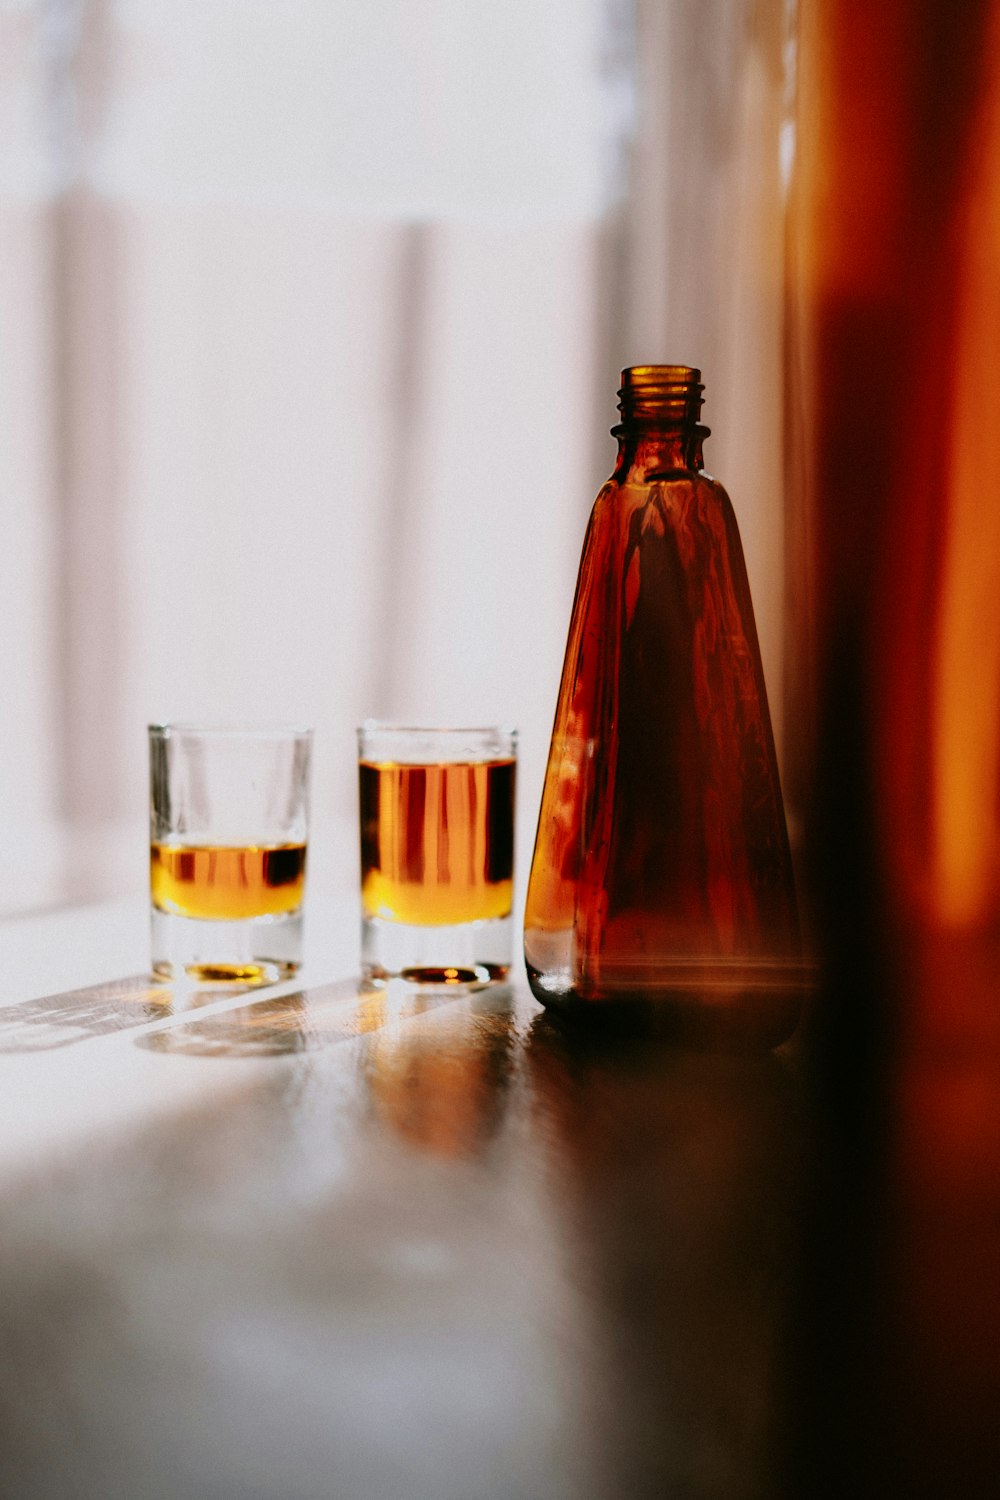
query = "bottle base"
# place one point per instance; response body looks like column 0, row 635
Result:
column 755, row 1006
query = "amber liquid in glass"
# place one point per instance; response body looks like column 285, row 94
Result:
column 225, row 882
column 437, row 841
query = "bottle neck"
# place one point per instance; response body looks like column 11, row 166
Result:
column 659, row 432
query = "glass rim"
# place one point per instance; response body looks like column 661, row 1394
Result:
column 163, row 730
column 381, row 741
column 391, row 726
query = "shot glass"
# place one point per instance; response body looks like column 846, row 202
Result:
column 227, row 857
column 437, row 853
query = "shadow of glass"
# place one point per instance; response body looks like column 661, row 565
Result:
column 115, row 1005
column 306, row 1021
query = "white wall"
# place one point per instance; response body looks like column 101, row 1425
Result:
column 299, row 370
column 311, row 321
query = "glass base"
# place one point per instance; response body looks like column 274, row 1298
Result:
column 467, row 953
column 257, row 950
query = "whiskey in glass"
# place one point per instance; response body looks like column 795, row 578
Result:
column 437, row 853
column 228, row 815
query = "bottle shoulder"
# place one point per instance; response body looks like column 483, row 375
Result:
column 665, row 486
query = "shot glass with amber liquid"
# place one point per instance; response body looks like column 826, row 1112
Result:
column 228, row 833
column 437, row 853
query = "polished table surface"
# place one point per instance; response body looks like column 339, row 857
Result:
column 313, row 1242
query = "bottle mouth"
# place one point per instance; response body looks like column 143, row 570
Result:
column 660, row 393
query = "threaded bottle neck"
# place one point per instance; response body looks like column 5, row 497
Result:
column 659, row 396
column 659, row 432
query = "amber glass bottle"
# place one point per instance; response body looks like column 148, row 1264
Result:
column 661, row 875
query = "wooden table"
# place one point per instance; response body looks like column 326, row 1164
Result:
column 310, row 1242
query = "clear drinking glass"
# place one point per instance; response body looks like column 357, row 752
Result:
column 437, row 852
column 228, row 826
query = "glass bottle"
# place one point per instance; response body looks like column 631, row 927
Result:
column 661, row 874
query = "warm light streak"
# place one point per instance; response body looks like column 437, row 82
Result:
column 966, row 785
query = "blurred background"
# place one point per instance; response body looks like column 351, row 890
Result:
column 311, row 324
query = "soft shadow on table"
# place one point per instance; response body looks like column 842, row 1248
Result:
column 99, row 1009
column 307, row 1021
